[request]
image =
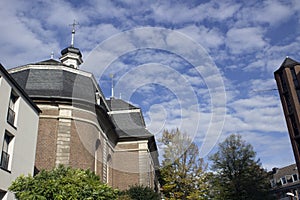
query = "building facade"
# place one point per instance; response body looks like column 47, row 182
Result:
column 19, row 118
column 288, row 83
column 285, row 183
column 135, row 158
column 79, row 127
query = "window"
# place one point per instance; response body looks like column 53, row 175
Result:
column 289, row 178
column 6, row 152
column 283, row 181
column 295, row 177
column 11, row 115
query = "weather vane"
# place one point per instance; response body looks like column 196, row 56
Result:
column 73, row 31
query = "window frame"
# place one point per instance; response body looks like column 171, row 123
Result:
column 283, row 180
column 8, row 151
column 297, row 179
column 13, row 107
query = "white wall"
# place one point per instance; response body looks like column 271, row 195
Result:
column 25, row 136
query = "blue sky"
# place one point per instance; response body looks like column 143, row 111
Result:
column 197, row 65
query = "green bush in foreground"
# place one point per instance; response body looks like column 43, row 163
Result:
column 138, row 192
column 62, row 183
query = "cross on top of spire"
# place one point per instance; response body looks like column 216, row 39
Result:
column 73, row 31
column 71, row 56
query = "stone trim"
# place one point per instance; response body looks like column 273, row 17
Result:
column 82, row 120
column 63, row 138
column 124, row 111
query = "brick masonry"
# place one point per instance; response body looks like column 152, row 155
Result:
column 74, row 138
column 46, row 142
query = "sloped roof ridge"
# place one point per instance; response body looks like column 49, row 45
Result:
column 288, row 62
column 291, row 166
column 287, row 170
column 48, row 62
column 120, row 104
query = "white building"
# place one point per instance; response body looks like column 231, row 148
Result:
column 19, row 118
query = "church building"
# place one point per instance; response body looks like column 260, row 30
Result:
column 79, row 127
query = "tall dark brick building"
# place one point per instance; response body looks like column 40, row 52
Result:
column 288, row 83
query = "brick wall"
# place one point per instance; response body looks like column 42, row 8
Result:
column 46, row 142
column 126, row 169
column 126, row 165
column 81, row 134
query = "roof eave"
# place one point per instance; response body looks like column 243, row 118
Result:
column 288, row 62
column 20, row 89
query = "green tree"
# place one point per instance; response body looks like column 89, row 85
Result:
column 139, row 192
column 238, row 175
column 62, row 183
column 183, row 172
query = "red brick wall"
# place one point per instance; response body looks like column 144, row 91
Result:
column 126, row 167
column 83, row 145
column 46, row 142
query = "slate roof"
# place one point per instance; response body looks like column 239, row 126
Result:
column 128, row 120
column 130, row 125
column 288, row 62
column 119, row 104
column 71, row 50
column 53, row 79
column 55, row 82
column 288, row 170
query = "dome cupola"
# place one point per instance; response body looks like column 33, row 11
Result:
column 71, row 56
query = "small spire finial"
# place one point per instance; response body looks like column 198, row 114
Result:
column 52, row 55
column 73, row 31
column 112, row 85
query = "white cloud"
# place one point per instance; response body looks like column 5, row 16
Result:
column 23, row 40
column 178, row 13
column 260, row 113
column 262, row 87
column 273, row 12
column 270, row 12
column 165, row 11
column 221, row 10
column 209, row 38
column 274, row 148
column 90, row 36
column 245, row 40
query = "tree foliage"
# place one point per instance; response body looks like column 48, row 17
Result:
column 238, row 175
column 62, row 183
column 139, row 192
column 183, row 172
